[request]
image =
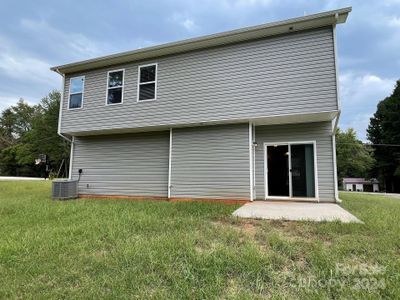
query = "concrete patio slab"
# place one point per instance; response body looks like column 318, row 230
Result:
column 295, row 211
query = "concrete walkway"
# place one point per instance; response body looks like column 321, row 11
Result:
column 295, row 211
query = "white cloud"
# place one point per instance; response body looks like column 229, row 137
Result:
column 19, row 65
column 77, row 43
column 359, row 122
column 360, row 93
column 347, row 61
column 7, row 101
column 391, row 2
column 23, row 70
column 184, row 21
column 394, row 21
column 356, row 89
column 252, row 2
column 188, row 24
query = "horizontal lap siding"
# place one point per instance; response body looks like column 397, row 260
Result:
column 211, row 162
column 133, row 164
column 292, row 73
column 320, row 132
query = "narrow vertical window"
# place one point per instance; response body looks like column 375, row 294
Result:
column 115, row 87
column 76, row 92
column 147, row 87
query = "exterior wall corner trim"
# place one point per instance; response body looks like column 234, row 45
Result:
column 251, row 161
column 170, row 163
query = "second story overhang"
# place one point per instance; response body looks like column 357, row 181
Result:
column 268, row 120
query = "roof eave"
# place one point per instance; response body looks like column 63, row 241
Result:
column 224, row 38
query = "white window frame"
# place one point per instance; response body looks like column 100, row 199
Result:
column 122, row 86
column 147, row 82
column 69, row 92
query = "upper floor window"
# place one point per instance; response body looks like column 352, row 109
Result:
column 115, row 86
column 147, row 82
column 76, row 92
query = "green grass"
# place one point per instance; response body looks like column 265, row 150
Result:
column 126, row 249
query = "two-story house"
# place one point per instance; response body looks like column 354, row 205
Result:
column 240, row 115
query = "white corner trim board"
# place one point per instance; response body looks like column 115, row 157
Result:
column 169, row 163
column 251, row 161
column 335, row 169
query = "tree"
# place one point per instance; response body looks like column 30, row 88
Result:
column 384, row 129
column 15, row 122
column 43, row 137
column 353, row 158
column 27, row 131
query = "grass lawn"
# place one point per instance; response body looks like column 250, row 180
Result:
column 126, row 249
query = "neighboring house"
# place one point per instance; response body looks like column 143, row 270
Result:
column 240, row 115
column 360, row 185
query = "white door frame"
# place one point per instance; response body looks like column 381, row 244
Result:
column 266, row 196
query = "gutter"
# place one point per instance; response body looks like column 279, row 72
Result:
column 61, row 106
column 59, row 124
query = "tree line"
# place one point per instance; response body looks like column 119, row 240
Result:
column 381, row 157
column 26, row 131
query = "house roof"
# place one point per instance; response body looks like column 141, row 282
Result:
column 229, row 37
column 360, row 180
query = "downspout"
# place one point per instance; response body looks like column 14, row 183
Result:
column 338, row 114
column 334, row 159
column 61, row 107
column 59, row 123
column 71, row 157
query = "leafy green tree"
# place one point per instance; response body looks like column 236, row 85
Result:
column 43, row 137
column 6, row 128
column 15, row 122
column 27, row 131
column 353, row 158
column 384, row 130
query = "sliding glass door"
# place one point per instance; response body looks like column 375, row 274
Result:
column 290, row 170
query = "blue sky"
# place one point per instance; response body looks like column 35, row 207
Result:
column 35, row 35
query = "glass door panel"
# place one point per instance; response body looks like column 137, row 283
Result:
column 278, row 170
column 302, row 170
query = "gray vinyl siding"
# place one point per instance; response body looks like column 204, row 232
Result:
column 287, row 74
column 128, row 164
column 211, row 162
column 320, row 132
